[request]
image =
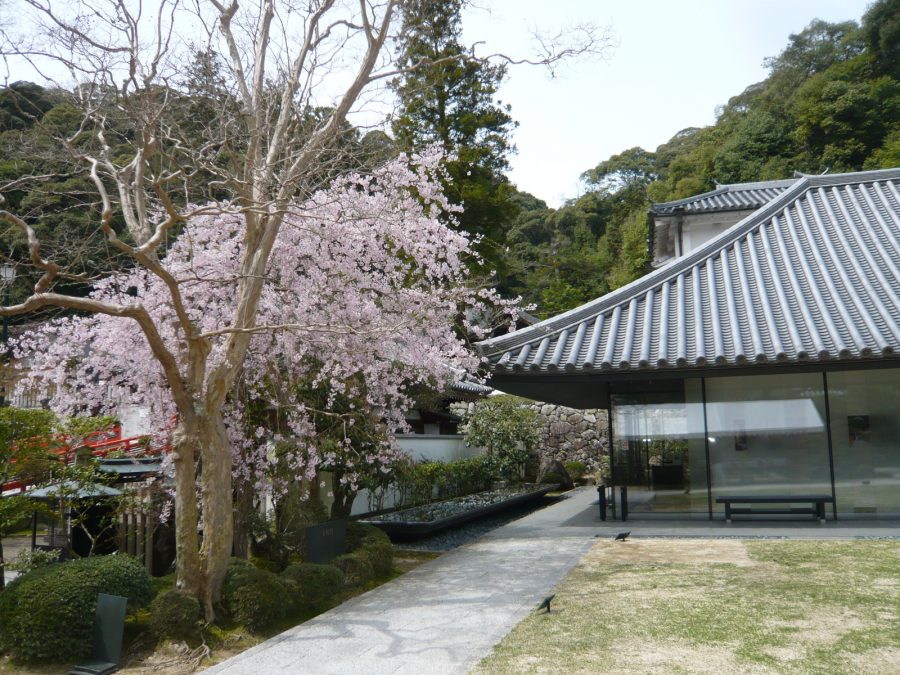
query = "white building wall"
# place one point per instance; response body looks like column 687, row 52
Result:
column 435, row 447
column 696, row 230
column 422, row 447
column 700, row 228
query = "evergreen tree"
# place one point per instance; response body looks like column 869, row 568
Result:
column 447, row 96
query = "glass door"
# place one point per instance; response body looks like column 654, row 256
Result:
column 653, row 454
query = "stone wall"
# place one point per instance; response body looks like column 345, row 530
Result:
column 569, row 434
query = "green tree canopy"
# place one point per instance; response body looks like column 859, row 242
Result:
column 448, row 96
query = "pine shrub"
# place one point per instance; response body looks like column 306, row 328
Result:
column 576, row 469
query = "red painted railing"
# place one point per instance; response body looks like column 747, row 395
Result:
column 102, row 444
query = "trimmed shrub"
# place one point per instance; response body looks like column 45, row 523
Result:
column 553, row 477
column 356, row 567
column 174, row 614
column 256, row 598
column 239, row 572
column 380, row 555
column 358, row 533
column 316, row 584
column 49, row 612
column 372, row 544
column 266, row 564
column 576, row 470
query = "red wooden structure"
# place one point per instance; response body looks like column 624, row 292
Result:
column 102, row 444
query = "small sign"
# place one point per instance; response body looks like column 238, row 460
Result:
column 325, row 542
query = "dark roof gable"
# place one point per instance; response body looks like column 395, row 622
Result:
column 733, row 197
column 812, row 275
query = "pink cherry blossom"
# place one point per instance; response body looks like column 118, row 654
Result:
column 366, row 281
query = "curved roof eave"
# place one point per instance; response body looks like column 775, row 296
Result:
column 730, row 197
column 542, row 346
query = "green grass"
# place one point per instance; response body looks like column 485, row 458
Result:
column 782, row 607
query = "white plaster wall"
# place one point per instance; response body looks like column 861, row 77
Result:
column 432, row 447
column 435, row 447
column 699, row 229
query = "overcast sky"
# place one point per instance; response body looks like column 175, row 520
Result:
column 675, row 61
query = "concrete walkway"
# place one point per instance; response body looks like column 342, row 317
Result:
column 446, row 615
column 441, row 617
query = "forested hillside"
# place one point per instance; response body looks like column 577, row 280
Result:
column 831, row 103
column 45, row 179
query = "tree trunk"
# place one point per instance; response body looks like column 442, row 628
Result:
column 2, row 567
column 243, row 513
column 343, row 497
column 218, row 515
column 187, row 557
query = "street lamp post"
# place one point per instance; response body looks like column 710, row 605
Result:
column 7, row 277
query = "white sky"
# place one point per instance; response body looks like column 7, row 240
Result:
column 673, row 63
column 676, row 61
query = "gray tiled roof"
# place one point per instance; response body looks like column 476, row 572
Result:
column 734, row 197
column 814, row 275
column 467, row 387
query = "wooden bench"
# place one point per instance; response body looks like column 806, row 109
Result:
column 816, row 505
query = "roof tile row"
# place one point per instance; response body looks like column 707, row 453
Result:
column 813, row 275
column 733, row 197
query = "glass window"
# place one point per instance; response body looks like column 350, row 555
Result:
column 865, row 436
column 655, row 453
column 767, row 436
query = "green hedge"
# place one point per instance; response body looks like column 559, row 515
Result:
column 316, row 584
column 576, row 469
column 423, row 482
column 255, row 597
column 48, row 614
column 174, row 614
column 356, row 566
column 374, row 544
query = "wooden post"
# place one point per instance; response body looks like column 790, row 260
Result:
column 132, row 526
column 140, row 522
column 148, row 544
column 121, row 532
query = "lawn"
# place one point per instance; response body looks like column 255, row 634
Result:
column 717, row 606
